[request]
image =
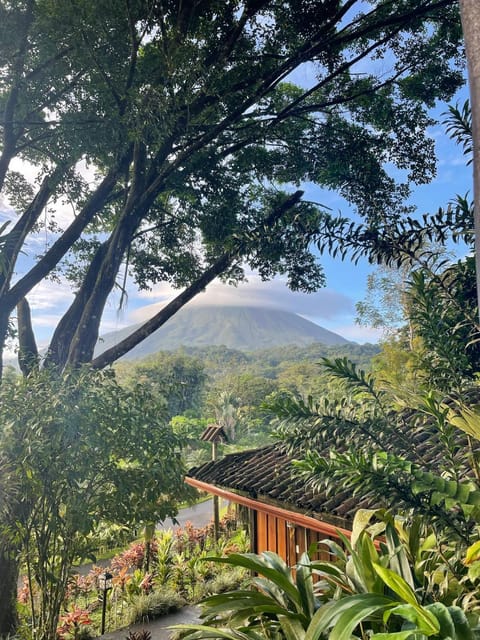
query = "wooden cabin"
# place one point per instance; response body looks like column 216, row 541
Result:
column 281, row 513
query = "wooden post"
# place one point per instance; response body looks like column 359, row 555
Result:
column 216, row 509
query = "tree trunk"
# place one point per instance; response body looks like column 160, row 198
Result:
column 470, row 14
column 8, row 593
column 28, row 352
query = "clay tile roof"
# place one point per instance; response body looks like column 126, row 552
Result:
column 267, row 474
column 214, row 433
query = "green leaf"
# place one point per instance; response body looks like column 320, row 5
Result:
column 280, row 576
column 304, row 582
column 395, row 635
column 399, row 560
column 240, row 599
column 360, row 522
column 474, row 571
column 203, row 631
column 442, row 614
column 292, row 628
column 364, row 604
column 426, row 621
column 363, row 559
column 413, row 615
column 472, row 553
column 358, row 611
column 463, row 630
column 397, row 584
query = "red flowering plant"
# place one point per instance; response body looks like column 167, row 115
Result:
column 134, row 556
column 24, row 592
column 146, row 585
column 81, row 586
column 190, row 538
column 71, row 622
column 131, row 558
column 121, row 579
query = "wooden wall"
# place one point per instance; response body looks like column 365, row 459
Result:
column 288, row 540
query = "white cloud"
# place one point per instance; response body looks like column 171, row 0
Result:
column 50, row 295
column 324, row 304
column 357, row 333
column 45, row 320
column 5, row 208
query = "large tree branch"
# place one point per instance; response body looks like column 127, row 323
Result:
column 58, row 349
column 77, row 333
column 351, row 35
column 28, row 352
column 216, row 269
column 25, row 224
column 9, row 134
column 53, row 256
column 101, row 276
column 100, row 284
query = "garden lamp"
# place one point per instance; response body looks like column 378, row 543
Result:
column 104, row 585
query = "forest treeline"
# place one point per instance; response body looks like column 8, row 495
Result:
column 216, row 384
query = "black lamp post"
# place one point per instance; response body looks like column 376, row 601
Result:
column 104, row 586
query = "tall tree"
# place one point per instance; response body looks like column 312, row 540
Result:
column 178, row 378
column 189, row 116
column 470, row 13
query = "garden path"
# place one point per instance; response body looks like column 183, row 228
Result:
column 199, row 515
column 159, row 628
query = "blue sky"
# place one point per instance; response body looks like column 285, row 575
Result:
column 332, row 307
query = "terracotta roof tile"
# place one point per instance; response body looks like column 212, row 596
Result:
column 267, row 474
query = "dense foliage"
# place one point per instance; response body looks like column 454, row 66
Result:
column 189, row 117
column 176, row 133
column 77, row 451
column 148, row 580
column 228, row 387
column 410, row 442
column 391, row 581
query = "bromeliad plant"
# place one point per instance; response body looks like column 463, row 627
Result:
column 275, row 599
column 369, row 589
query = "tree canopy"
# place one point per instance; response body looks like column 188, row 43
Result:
column 193, row 121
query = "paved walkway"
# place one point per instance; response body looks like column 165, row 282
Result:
column 199, row 514
column 159, row 628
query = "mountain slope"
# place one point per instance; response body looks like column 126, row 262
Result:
column 243, row 328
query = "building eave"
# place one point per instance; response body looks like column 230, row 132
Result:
column 293, row 517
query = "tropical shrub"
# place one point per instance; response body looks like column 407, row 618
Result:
column 370, row 588
column 416, row 451
column 80, row 451
column 71, row 623
column 175, row 577
column 148, row 606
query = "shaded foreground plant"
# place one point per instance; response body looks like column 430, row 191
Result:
column 375, row 589
column 414, row 450
column 139, row 596
column 81, row 450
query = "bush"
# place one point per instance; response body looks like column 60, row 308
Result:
column 224, row 581
column 153, row 605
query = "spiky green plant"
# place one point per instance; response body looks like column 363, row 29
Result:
column 368, row 590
